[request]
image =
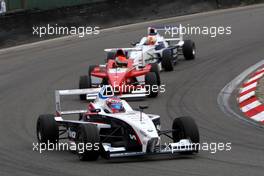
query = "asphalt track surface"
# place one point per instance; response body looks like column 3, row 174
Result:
column 29, row 76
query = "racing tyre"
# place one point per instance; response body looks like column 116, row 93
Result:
column 188, row 50
column 47, row 129
column 185, row 128
column 88, row 135
column 110, row 55
column 155, row 69
column 166, row 61
column 91, row 68
column 84, row 83
column 151, row 84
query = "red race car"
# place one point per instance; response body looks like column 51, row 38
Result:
column 127, row 78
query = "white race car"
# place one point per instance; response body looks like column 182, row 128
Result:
column 163, row 51
column 111, row 128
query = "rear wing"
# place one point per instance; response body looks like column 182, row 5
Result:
column 124, row 49
column 98, row 92
column 92, row 94
column 59, row 93
column 128, row 50
column 169, row 30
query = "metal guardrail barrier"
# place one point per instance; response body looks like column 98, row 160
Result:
column 15, row 5
column 21, row 5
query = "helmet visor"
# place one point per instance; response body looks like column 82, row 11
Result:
column 116, row 106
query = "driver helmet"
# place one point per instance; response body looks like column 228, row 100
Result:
column 114, row 105
column 120, row 61
column 151, row 40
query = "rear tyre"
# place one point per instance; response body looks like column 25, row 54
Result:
column 166, row 62
column 90, row 69
column 155, row 69
column 185, row 128
column 110, row 55
column 88, row 135
column 47, row 129
column 189, row 50
column 151, row 84
column 84, row 83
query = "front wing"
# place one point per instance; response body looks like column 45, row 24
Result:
column 182, row 146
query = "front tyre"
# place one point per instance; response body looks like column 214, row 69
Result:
column 189, row 50
column 47, row 129
column 185, row 128
column 155, row 69
column 167, row 60
column 84, row 83
column 151, row 84
column 88, row 137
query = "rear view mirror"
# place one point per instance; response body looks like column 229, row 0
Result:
column 134, row 43
column 96, row 110
column 143, row 107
